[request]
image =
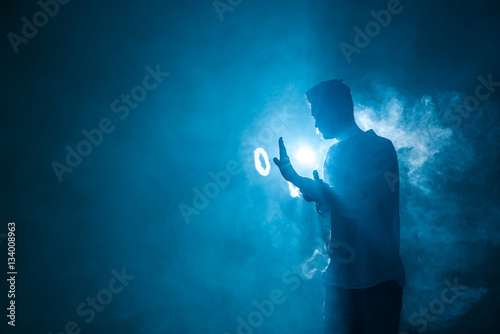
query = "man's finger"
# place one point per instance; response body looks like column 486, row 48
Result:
column 317, row 179
column 282, row 147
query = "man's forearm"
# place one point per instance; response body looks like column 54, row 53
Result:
column 321, row 193
column 318, row 190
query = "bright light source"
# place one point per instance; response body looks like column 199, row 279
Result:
column 305, row 155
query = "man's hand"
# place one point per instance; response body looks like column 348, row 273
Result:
column 284, row 164
column 318, row 190
column 315, row 189
column 321, row 208
column 308, row 198
column 322, row 184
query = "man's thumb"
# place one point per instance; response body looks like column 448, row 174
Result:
column 276, row 161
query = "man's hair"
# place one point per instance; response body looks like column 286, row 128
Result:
column 333, row 96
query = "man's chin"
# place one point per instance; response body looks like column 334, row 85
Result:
column 327, row 136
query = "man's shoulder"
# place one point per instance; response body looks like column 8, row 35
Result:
column 376, row 142
column 365, row 143
column 332, row 148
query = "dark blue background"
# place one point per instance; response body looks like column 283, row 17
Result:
column 228, row 79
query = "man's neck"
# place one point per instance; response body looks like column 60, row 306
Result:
column 349, row 132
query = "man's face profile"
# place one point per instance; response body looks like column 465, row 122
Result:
column 325, row 121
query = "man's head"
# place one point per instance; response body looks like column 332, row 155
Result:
column 331, row 107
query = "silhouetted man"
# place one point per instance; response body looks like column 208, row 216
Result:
column 365, row 277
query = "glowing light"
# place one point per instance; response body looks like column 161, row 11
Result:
column 258, row 164
column 294, row 191
column 305, row 155
column 317, row 131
